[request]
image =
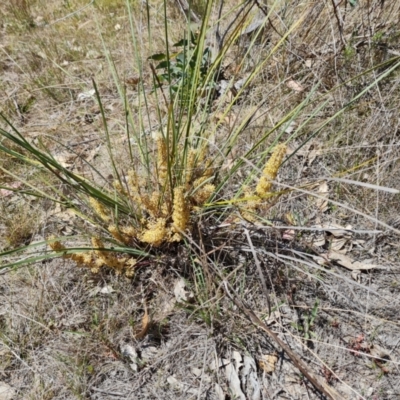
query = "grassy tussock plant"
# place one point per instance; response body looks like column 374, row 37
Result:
column 174, row 166
column 170, row 176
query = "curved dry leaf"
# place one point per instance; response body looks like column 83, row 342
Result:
column 319, row 240
column 367, row 185
column 356, row 275
column 248, row 377
column 129, row 351
column 145, row 325
column 338, row 230
column 219, row 392
column 349, row 263
column 238, row 360
column 108, row 289
column 294, row 85
column 86, row 95
column 338, row 243
column 181, row 295
column 234, row 382
column 322, row 203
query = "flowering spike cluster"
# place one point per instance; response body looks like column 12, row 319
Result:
column 95, row 259
column 159, row 215
column 107, row 258
column 162, row 215
column 202, row 190
column 166, row 211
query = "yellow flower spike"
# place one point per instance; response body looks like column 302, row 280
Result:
column 204, row 152
column 106, row 258
column 156, row 233
column 162, row 159
column 154, row 205
column 119, row 188
column 133, row 185
column 129, row 231
column 189, row 168
column 203, row 193
column 151, row 204
column 100, row 254
column 130, row 273
column 165, row 209
column 198, row 182
column 97, row 243
column 57, row 246
column 78, row 258
column 132, row 180
column 252, row 202
column 97, row 264
column 271, row 170
column 113, row 229
column 130, row 267
column 181, row 211
column 100, row 210
column 87, row 259
column 95, row 259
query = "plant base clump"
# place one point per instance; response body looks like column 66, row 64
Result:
column 164, row 215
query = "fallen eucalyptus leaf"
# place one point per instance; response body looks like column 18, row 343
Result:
column 249, row 379
column 294, row 85
column 86, row 95
column 338, row 243
column 234, row 382
column 349, row 263
column 145, row 325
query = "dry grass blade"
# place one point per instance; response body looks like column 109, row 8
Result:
column 339, row 204
column 366, row 185
column 259, row 269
